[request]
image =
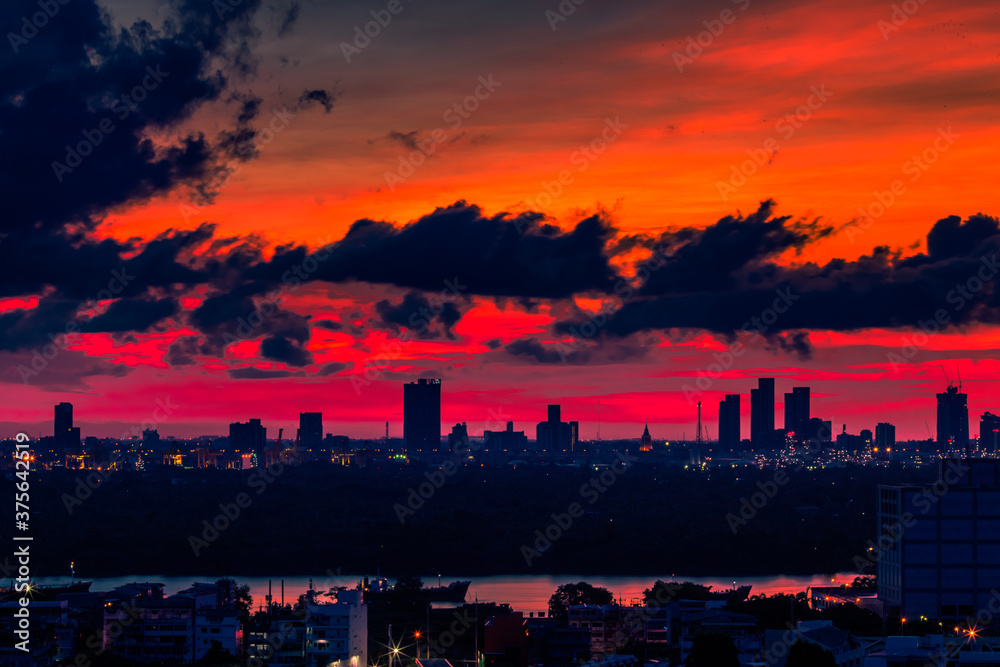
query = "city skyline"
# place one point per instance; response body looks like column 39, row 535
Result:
column 955, row 423
column 491, row 219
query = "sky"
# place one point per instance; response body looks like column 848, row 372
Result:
column 257, row 209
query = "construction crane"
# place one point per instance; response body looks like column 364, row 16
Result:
column 958, row 370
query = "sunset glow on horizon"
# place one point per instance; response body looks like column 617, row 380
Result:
column 534, row 206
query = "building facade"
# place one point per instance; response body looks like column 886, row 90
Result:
column 337, row 634
column 939, row 546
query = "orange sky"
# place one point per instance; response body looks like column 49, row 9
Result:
column 886, row 92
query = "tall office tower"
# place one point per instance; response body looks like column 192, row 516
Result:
column 554, row 435
column 953, row 419
column 989, row 432
column 63, row 419
column 310, row 429
column 938, row 550
column 422, row 415
column 762, row 414
column 555, row 413
column 65, row 435
column 249, row 437
column 797, row 411
column 729, row 422
column 885, row 436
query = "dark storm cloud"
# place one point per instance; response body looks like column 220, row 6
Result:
column 83, row 97
column 725, row 279
column 459, row 251
column 329, row 325
column 82, row 268
column 717, row 256
column 185, row 350
column 532, row 348
column 416, row 313
column 26, row 328
column 285, row 350
column 136, row 315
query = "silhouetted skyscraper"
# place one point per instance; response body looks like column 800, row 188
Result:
column 762, row 414
column 458, row 440
column 310, row 429
column 64, row 434
column 952, row 419
column 63, row 418
column 509, row 440
column 797, row 411
column 249, row 437
column 885, row 436
column 555, row 435
column 989, row 432
column 555, row 413
column 729, row 422
column 422, row 415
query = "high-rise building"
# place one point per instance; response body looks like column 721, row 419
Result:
column 797, row 411
column 310, row 429
column 729, row 422
column 458, row 439
column 938, row 548
column 555, row 413
column 248, row 438
column 762, row 414
column 422, row 415
column 63, row 418
column 510, row 441
column 555, row 435
column 885, row 436
column 952, row 419
column 65, row 435
column 989, row 432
